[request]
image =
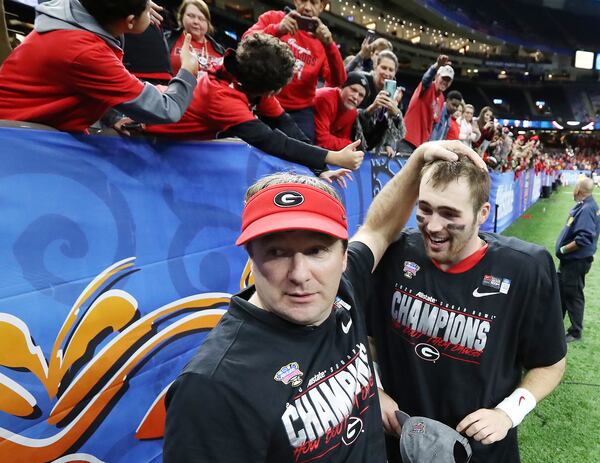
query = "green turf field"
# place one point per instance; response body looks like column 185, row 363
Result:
column 565, row 427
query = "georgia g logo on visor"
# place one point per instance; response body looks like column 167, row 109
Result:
column 427, row 352
column 288, row 199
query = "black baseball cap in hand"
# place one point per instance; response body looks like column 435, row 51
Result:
column 424, row 440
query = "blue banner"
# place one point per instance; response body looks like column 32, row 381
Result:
column 569, row 177
column 117, row 258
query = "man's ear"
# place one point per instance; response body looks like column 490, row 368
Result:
column 130, row 21
column 483, row 213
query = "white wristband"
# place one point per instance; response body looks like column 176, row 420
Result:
column 518, row 405
column 377, row 372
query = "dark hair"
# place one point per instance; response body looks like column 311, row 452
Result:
column 441, row 173
column 263, row 64
column 109, row 11
column 454, row 95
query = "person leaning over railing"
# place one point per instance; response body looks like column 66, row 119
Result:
column 227, row 102
column 68, row 71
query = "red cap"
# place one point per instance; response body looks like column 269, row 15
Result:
column 292, row 206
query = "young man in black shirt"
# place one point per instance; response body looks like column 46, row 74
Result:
column 458, row 315
column 286, row 376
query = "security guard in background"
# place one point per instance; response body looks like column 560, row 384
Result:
column 575, row 248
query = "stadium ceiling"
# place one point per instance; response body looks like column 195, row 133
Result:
column 578, row 7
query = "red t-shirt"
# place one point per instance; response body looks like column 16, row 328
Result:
column 64, row 79
column 454, row 130
column 333, row 122
column 208, row 57
column 424, row 109
column 217, row 105
column 313, row 59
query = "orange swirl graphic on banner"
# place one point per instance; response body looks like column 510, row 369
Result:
column 82, row 401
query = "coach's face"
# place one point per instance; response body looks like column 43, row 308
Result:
column 297, row 274
column 447, row 221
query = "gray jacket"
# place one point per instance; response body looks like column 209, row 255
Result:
column 151, row 106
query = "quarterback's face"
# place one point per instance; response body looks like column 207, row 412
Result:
column 297, row 274
column 447, row 221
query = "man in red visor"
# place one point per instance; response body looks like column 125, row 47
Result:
column 286, row 376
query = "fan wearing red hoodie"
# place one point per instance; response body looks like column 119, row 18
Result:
column 316, row 56
column 336, row 111
column 68, row 72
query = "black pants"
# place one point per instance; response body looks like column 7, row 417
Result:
column 571, row 279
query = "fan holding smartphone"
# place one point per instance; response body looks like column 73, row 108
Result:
column 316, row 56
column 383, row 123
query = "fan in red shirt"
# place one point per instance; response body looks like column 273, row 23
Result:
column 336, row 111
column 316, row 56
column 427, row 102
column 68, row 71
column 238, row 100
column 194, row 18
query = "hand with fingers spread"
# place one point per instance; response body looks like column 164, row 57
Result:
column 485, row 425
column 155, row 14
column 365, row 49
column 448, row 150
column 391, row 425
column 349, row 157
column 338, row 176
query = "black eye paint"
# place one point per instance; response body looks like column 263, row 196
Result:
column 454, row 227
column 420, row 218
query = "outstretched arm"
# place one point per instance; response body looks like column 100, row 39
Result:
column 391, row 208
column 489, row 425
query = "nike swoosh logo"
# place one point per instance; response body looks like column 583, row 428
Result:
column 346, row 326
column 476, row 293
column 521, row 399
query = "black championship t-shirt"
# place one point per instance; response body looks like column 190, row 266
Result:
column 450, row 344
column 262, row 389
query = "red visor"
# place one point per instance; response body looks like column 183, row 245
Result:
column 292, row 206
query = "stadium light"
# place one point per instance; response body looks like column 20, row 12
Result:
column 573, row 123
column 584, row 59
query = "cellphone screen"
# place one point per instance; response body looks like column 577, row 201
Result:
column 389, row 86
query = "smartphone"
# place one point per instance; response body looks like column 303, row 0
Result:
column 304, row 22
column 389, row 85
column 370, row 35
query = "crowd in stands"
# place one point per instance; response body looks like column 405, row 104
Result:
column 285, row 89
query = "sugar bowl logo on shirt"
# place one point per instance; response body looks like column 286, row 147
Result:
column 290, row 374
column 410, row 269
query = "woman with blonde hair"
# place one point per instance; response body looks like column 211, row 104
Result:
column 193, row 17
